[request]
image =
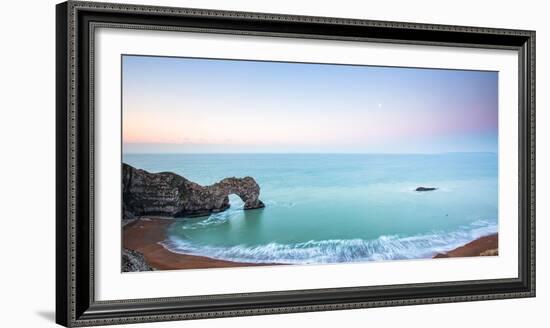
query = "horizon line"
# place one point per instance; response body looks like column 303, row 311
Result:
column 307, row 153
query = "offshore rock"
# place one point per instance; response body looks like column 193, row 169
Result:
column 425, row 189
column 169, row 194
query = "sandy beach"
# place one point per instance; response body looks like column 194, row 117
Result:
column 484, row 246
column 144, row 235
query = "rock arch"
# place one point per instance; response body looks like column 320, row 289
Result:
column 246, row 188
column 169, row 194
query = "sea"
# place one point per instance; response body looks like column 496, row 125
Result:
column 337, row 208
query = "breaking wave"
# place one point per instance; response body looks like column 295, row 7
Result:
column 213, row 219
column 390, row 247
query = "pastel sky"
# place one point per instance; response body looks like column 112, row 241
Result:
column 208, row 105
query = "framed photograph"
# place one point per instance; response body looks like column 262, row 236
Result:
column 215, row 163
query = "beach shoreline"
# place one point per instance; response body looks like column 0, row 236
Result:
column 145, row 234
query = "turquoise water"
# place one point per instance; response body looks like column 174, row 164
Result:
column 332, row 208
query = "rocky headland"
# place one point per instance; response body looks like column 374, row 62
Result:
column 171, row 195
column 148, row 195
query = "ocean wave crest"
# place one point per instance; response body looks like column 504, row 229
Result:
column 390, row 247
column 212, row 220
column 236, row 208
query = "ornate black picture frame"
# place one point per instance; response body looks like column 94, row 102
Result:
column 75, row 301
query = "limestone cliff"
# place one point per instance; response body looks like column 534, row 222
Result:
column 169, row 194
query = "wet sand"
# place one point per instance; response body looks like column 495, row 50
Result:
column 144, row 235
column 484, row 246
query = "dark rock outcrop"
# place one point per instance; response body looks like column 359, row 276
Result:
column 133, row 261
column 425, row 189
column 169, row 194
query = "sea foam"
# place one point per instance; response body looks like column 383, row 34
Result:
column 390, row 247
